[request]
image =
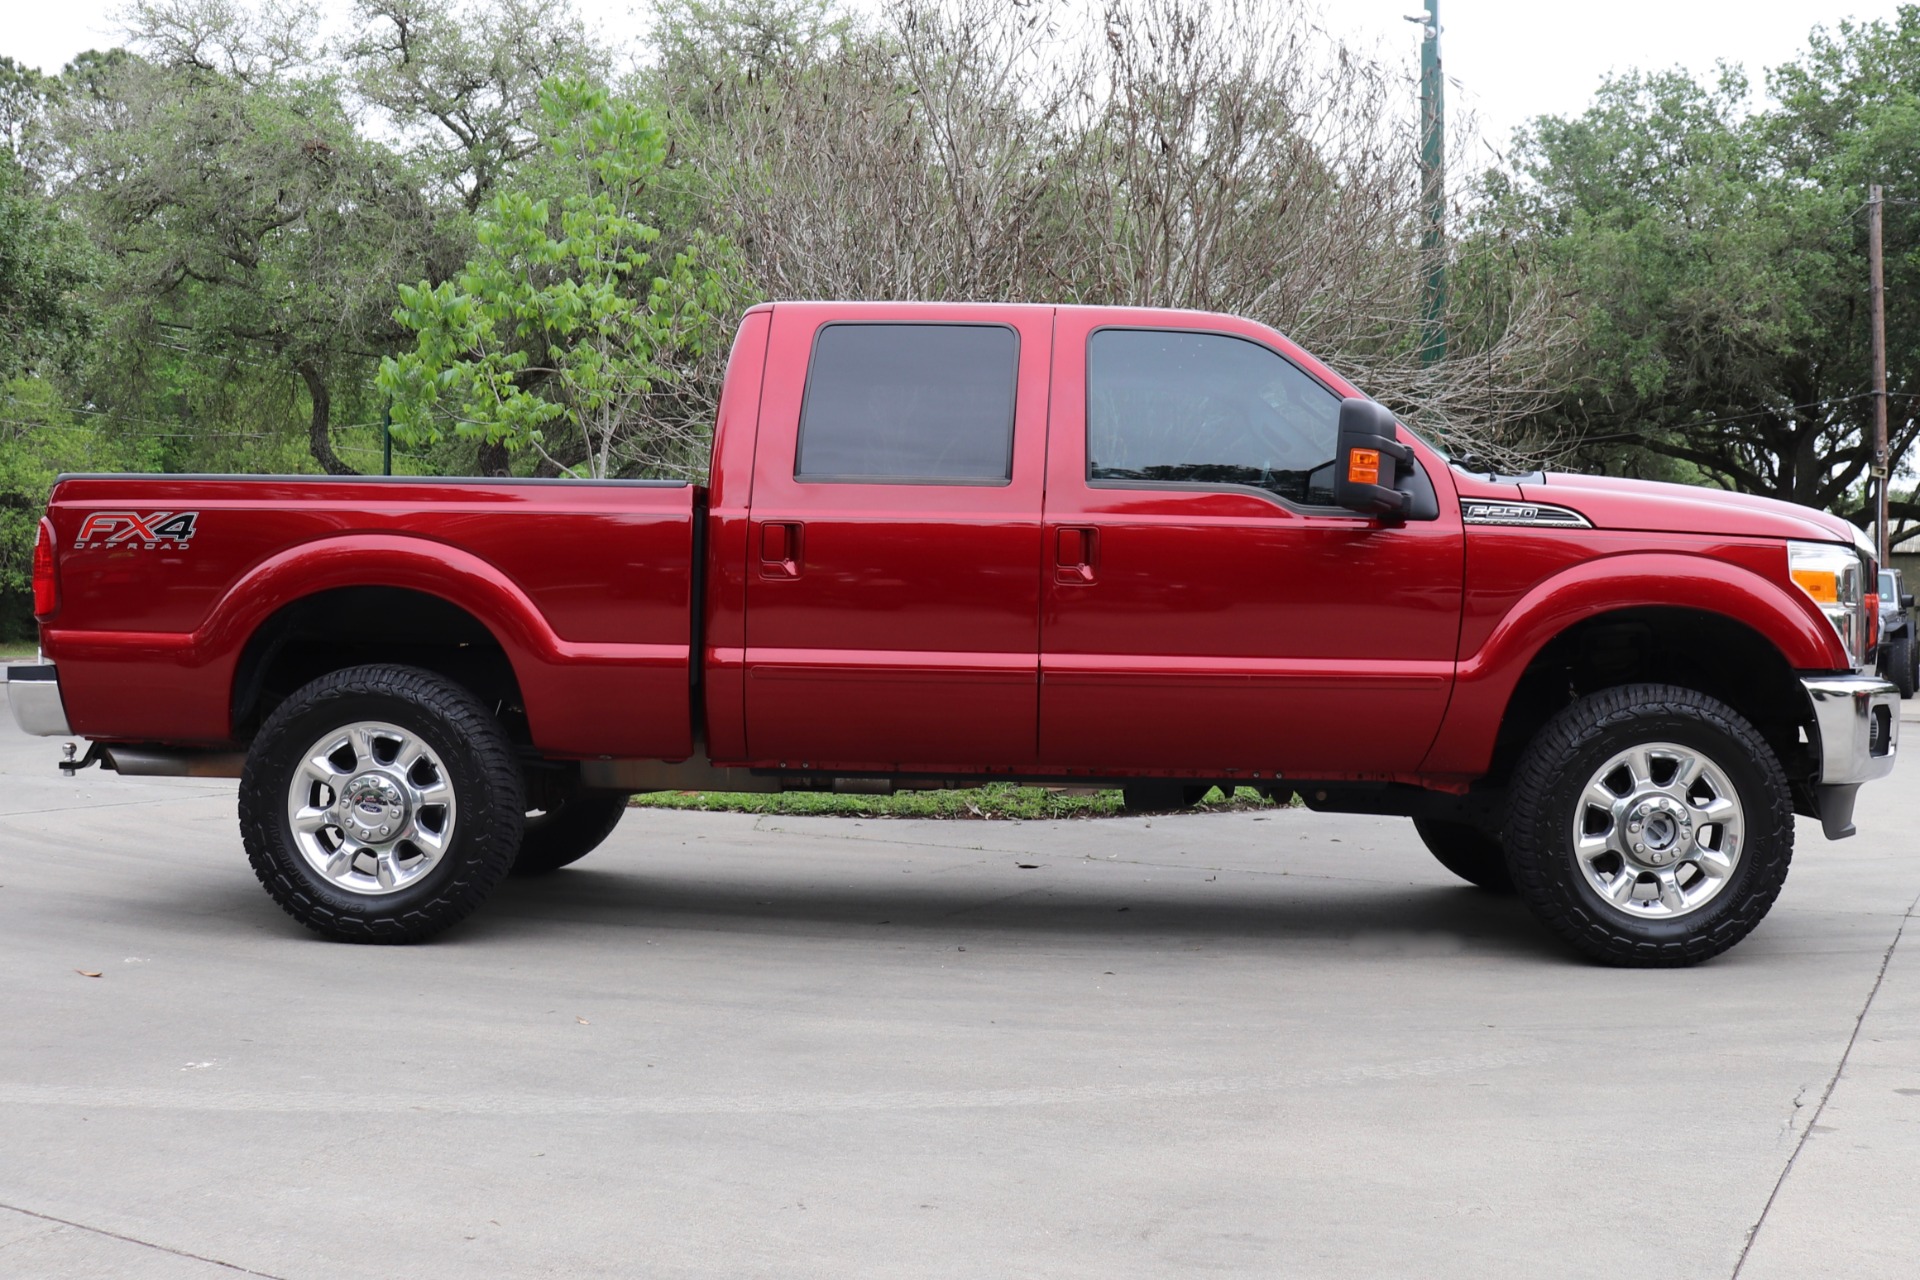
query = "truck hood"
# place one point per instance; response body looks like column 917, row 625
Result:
column 1655, row 506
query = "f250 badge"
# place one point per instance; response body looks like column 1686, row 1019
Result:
column 134, row 529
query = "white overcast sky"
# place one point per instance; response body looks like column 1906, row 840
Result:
column 1508, row 60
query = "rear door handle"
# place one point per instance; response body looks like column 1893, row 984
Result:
column 1074, row 555
column 780, row 549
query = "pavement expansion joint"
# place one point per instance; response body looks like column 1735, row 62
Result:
column 1839, row 1068
column 144, row 1244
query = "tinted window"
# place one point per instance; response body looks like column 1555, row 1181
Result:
column 925, row 402
column 1200, row 408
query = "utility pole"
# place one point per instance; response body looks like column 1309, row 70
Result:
column 1433, row 187
column 1876, row 276
column 386, row 440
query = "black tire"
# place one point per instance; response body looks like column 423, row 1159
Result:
column 1545, row 801
column 571, row 824
column 479, row 769
column 1900, row 664
column 1161, row 797
column 1468, row 852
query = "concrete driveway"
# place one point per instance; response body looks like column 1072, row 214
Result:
column 1270, row 1045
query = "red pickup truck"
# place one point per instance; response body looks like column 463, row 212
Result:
column 949, row 544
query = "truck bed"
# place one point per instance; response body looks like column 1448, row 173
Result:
column 585, row 587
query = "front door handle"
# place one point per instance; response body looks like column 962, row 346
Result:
column 1074, row 555
column 780, row 549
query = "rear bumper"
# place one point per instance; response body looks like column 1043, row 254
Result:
column 1857, row 719
column 34, row 694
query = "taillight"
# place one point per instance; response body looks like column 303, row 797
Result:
column 46, row 583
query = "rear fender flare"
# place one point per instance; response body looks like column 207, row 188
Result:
column 407, row 563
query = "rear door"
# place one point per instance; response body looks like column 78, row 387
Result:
column 1207, row 608
column 893, row 596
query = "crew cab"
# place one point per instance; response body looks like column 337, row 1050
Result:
column 942, row 545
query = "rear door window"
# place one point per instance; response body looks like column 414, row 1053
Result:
column 909, row 404
column 1167, row 407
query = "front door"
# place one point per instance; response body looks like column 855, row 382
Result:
column 893, row 596
column 1207, row 608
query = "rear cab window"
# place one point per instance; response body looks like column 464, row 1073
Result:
column 902, row 403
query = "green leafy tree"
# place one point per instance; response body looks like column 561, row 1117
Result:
column 248, row 222
column 463, row 82
column 45, row 269
column 1718, row 256
column 564, row 333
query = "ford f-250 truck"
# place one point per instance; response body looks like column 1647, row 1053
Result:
column 943, row 545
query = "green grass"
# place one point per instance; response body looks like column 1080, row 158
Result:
column 998, row 801
column 14, row 650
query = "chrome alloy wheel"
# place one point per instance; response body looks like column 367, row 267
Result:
column 371, row 807
column 1658, row 830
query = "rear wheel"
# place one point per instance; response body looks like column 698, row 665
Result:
column 1468, row 852
column 569, row 823
column 1649, row 825
column 380, row 804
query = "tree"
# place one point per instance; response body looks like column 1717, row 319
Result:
column 1214, row 154
column 1719, row 257
column 562, row 331
column 247, row 220
column 44, row 271
column 464, row 84
column 1850, row 116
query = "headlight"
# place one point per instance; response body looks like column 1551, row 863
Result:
column 1834, row 577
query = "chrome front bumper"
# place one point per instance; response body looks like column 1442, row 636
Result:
column 34, row 694
column 1857, row 719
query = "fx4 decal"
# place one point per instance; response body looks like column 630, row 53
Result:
column 133, row 529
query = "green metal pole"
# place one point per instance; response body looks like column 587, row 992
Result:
column 1433, row 190
column 386, row 440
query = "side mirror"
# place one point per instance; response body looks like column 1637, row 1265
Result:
column 1370, row 461
column 1906, row 600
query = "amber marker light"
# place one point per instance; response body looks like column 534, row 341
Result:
column 1822, row 584
column 1363, row 466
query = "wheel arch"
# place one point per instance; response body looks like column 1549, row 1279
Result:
column 1688, row 620
column 334, row 628
column 373, row 598
column 1722, row 657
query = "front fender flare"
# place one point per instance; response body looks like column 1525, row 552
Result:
column 1485, row 680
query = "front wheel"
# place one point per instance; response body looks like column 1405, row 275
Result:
column 380, row 804
column 1649, row 825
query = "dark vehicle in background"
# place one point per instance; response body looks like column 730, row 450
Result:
column 1899, row 653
